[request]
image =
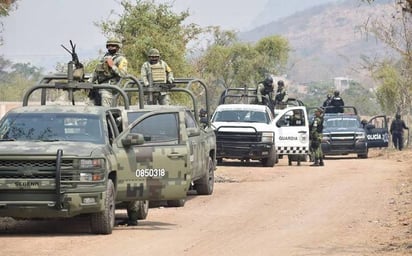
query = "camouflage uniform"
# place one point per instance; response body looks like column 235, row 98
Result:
column 281, row 97
column 106, row 74
column 316, row 138
column 264, row 93
column 157, row 71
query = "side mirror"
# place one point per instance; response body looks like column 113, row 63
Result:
column 193, row 132
column 133, row 139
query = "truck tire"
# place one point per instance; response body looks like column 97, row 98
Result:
column 176, row 203
column 271, row 160
column 103, row 222
column 364, row 155
column 204, row 186
column 143, row 209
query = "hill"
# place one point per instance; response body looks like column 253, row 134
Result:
column 327, row 40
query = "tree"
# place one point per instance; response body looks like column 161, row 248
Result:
column 144, row 25
column 404, row 5
column 231, row 63
column 5, row 7
column 394, row 73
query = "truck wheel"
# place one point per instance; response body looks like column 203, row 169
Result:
column 103, row 222
column 143, row 209
column 364, row 155
column 204, row 186
column 271, row 160
column 176, row 203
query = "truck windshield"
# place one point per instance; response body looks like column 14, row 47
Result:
column 241, row 116
column 52, row 127
column 342, row 123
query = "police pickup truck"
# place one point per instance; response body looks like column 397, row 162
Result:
column 247, row 131
column 61, row 161
column 345, row 133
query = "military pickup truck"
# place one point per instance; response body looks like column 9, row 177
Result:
column 61, row 161
column 168, row 129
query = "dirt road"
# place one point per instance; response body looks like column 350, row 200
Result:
column 349, row 207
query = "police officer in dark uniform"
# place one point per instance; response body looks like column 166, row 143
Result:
column 396, row 130
column 337, row 103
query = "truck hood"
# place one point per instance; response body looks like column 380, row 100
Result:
column 50, row 148
column 242, row 127
column 342, row 130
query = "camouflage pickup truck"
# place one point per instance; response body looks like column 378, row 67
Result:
column 176, row 131
column 61, row 161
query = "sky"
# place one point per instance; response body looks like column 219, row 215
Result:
column 34, row 32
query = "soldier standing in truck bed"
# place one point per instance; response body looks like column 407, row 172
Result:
column 157, row 71
column 111, row 68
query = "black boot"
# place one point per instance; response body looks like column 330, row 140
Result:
column 132, row 218
column 316, row 163
column 321, row 163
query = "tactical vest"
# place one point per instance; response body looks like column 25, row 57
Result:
column 104, row 72
column 158, row 72
column 280, row 94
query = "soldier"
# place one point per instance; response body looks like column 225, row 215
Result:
column 396, row 130
column 155, row 71
column 264, row 93
column 281, row 97
column 337, row 103
column 315, row 137
column 111, row 68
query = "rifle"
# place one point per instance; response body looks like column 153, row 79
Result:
column 78, row 73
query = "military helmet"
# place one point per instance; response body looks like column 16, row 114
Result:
column 398, row 116
column 281, row 83
column 153, row 53
column 114, row 41
column 268, row 80
column 336, row 93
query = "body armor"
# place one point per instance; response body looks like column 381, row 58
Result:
column 158, row 72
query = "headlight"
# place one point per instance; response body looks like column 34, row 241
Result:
column 360, row 136
column 86, row 177
column 267, row 137
column 90, row 163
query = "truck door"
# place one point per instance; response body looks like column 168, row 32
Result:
column 292, row 131
column 196, row 145
column 377, row 133
column 159, row 168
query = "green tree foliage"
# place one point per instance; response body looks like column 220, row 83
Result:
column 394, row 73
column 391, row 94
column 144, row 25
column 5, row 7
column 230, row 63
column 274, row 53
column 15, row 78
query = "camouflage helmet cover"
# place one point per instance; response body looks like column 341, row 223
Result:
column 114, row 41
column 153, row 52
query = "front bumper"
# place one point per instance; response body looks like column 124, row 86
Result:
column 244, row 150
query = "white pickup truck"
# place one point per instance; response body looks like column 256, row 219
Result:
column 251, row 132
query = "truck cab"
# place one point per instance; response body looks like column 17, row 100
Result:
column 68, row 159
column 240, row 136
